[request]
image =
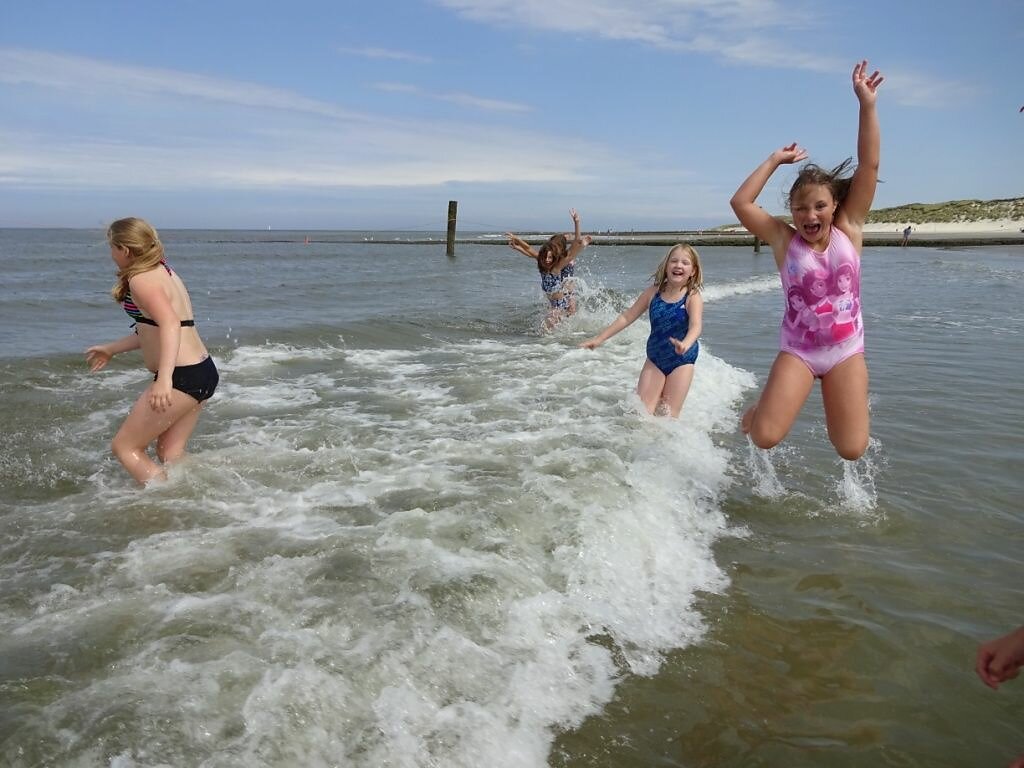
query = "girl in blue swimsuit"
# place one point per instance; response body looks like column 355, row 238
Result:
column 556, row 263
column 675, row 308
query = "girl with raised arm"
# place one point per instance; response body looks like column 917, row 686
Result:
column 819, row 252
column 556, row 263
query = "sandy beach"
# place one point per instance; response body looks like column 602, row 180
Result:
column 985, row 226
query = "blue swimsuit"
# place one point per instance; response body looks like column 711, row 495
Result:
column 551, row 284
column 669, row 320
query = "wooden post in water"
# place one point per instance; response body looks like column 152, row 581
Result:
column 757, row 244
column 453, row 206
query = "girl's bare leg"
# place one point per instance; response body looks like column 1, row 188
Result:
column 142, row 427
column 170, row 445
column 770, row 419
column 844, row 392
column 553, row 318
column 677, row 385
column 650, row 386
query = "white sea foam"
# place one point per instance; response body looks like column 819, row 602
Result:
column 411, row 571
column 741, row 288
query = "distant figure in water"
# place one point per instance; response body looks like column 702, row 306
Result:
column 819, row 258
column 676, row 310
column 906, row 235
column 1000, row 660
column 556, row 261
column 156, row 299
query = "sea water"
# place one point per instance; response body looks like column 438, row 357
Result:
column 415, row 530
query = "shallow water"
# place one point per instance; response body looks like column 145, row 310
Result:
column 415, row 531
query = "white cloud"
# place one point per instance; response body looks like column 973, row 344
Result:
column 370, row 52
column 392, row 157
column 758, row 33
column 22, row 67
column 916, row 90
column 462, row 99
column 662, row 23
column 187, row 130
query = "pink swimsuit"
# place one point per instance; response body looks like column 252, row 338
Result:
column 822, row 325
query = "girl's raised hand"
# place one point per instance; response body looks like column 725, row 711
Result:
column 790, row 154
column 864, row 85
column 573, row 215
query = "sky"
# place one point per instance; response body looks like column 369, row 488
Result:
column 641, row 114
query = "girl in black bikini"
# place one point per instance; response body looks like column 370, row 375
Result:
column 185, row 376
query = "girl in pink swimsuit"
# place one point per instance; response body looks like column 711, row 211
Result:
column 818, row 256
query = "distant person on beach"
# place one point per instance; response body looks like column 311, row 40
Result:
column 1000, row 660
column 556, row 261
column 155, row 298
column 819, row 261
column 675, row 307
column 906, row 235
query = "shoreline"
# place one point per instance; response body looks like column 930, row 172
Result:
column 929, row 234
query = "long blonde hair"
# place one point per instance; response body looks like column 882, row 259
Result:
column 144, row 247
column 696, row 281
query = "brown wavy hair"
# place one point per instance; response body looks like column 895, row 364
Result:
column 838, row 180
column 144, row 248
column 557, row 245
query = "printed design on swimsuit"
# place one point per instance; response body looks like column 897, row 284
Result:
column 669, row 320
column 568, row 272
column 554, row 284
column 822, row 294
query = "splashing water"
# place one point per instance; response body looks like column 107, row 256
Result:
column 766, row 483
column 856, row 488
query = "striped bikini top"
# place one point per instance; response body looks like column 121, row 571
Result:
column 133, row 311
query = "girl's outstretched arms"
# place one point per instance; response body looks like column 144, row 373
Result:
column 624, row 320
column 695, row 312
column 517, row 243
column 857, row 205
column 744, row 203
